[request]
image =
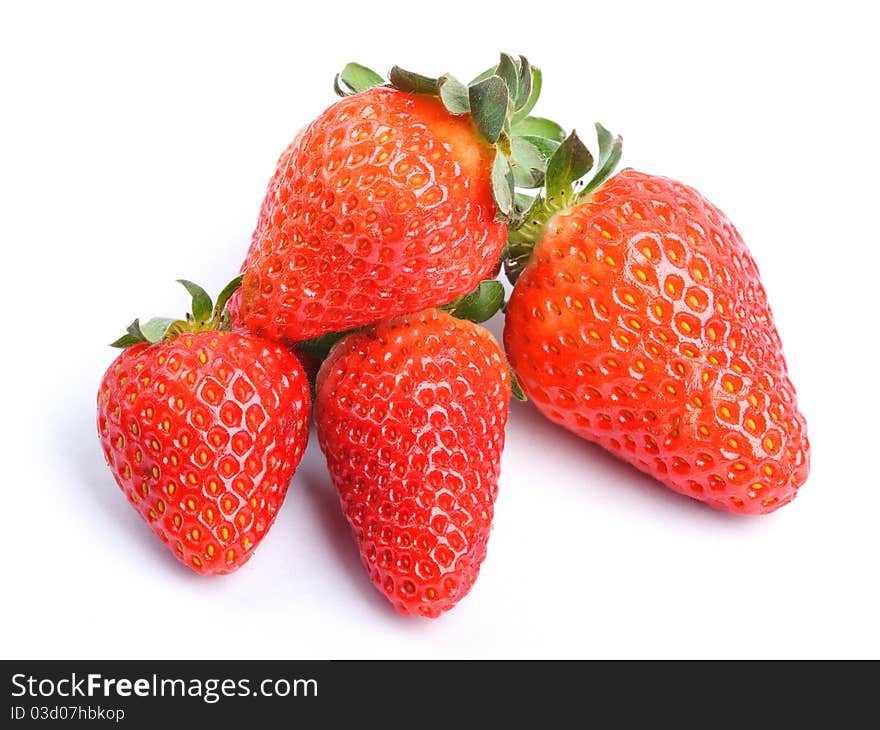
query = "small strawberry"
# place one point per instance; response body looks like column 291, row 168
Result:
column 393, row 199
column 410, row 415
column 639, row 321
column 203, row 428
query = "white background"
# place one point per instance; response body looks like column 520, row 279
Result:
column 136, row 145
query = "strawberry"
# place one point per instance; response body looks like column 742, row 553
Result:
column 393, row 200
column 203, row 428
column 410, row 414
column 639, row 321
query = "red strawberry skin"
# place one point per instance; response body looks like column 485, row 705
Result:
column 381, row 206
column 203, row 434
column 641, row 323
column 410, row 416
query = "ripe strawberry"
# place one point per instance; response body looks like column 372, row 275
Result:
column 392, row 200
column 410, row 415
column 640, row 323
column 203, row 428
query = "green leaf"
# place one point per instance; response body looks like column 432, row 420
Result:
column 610, row 151
column 528, row 162
column 571, row 161
column 502, row 185
column 525, row 85
column 319, row 347
column 488, row 102
column 155, row 329
column 223, row 296
column 515, row 390
column 125, row 341
column 546, row 146
column 201, row 302
column 413, row 83
column 134, row 329
column 525, row 108
column 454, row 95
column 355, row 78
column 509, row 73
column 479, row 304
column 132, row 336
column 526, row 207
column 539, row 127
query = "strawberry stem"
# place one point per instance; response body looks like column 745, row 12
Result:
column 563, row 189
column 205, row 315
column 499, row 101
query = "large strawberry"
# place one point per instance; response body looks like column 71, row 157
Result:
column 203, row 428
column 411, row 415
column 393, row 200
column 639, row 321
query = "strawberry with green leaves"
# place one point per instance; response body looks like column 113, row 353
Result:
column 410, row 416
column 394, row 199
column 639, row 321
column 203, row 429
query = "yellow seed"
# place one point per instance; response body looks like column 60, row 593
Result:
column 750, row 424
column 728, row 386
column 704, row 431
column 685, row 327
column 670, row 390
column 757, row 486
column 210, row 551
column 767, row 470
column 768, row 444
column 608, row 260
column 692, row 300
column 196, row 561
column 194, row 533
column 724, row 411
column 629, row 299
column 606, row 235
column 177, row 521
column 203, row 358
column 577, row 304
column 160, row 505
column 224, row 533
column 155, row 472
column 640, row 275
column 190, row 504
column 698, row 401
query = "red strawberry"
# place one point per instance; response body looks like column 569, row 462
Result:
column 640, row 323
column 391, row 201
column 203, row 428
column 411, row 415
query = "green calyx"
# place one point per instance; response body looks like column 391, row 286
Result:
column 205, row 315
column 565, row 185
column 500, row 101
